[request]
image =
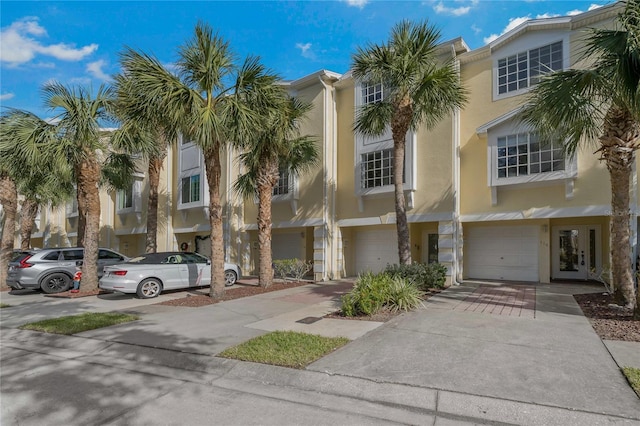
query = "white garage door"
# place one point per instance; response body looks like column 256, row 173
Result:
column 287, row 246
column 374, row 249
column 502, row 253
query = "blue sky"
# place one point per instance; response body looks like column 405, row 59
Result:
column 77, row 42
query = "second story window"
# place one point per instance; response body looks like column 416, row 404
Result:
column 524, row 69
column 377, row 169
column 124, row 199
column 524, row 154
column 190, row 189
column 371, row 93
column 282, row 186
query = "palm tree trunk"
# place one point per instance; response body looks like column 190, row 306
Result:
column 155, row 167
column 9, row 201
column 617, row 147
column 82, row 212
column 214, row 171
column 28, row 214
column 266, row 180
column 88, row 192
column 399, row 129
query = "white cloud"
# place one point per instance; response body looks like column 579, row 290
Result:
column 305, row 50
column 95, row 69
column 440, row 8
column 477, row 30
column 357, row 3
column 7, row 96
column 18, row 44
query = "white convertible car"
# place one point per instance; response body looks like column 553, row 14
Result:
column 149, row 274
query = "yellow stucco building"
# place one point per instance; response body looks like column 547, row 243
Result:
column 484, row 196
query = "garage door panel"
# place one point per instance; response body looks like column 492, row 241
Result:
column 502, row 253
column 374, row 249
column 287, row 246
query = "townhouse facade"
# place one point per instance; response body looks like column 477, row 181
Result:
column 484, row 196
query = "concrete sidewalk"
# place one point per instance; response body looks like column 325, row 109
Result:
column 457, row 361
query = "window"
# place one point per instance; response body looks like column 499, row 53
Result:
column 124, row 199
column 377, row 168
column 432, row 253
column 190, row 189
column 54, row 255
column 524, row 69
column 282, row 186
column 73, row 254
column 108, row 255
column 371, row 93
column 524, row 154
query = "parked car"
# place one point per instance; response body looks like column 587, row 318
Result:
column 149, row 274
column 52, row 269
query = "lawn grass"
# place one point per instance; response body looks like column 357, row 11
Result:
column 4, row 305
column 78, row 323
column 633, row 376
column 285, row 348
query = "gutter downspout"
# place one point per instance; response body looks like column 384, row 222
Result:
column 325, row 196
column 169, row 183
column 456, row 272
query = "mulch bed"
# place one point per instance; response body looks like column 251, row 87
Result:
column 202, row 298
column 610, row 322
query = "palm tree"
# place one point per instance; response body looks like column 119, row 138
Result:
column 273, row 147
column 206, row 98
column 600, row 102
column 24, row 143
column 146, row 129
column 44, row 187
column 420, row 89
column 9, row 201
column 81, row 145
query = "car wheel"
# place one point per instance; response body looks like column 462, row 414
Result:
column 149, row 288
column 230, row 277
column 55, row 283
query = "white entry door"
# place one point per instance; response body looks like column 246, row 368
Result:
column 576, row 251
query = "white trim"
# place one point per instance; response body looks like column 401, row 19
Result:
column 284, row 225
column 201, row 227
column 484, row 129
column 539, row 213
column 430, row 217
column 132, row 231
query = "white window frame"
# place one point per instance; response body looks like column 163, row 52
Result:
column 368, row 144
column 191, row 182
column 136, row 196
column 510, row 128
column 282, row 175
column 524, row 46
column 514, row 153
column 187, row 172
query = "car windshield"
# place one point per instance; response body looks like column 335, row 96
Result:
column 168, row 258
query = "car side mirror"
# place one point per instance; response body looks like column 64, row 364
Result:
column 208, row 261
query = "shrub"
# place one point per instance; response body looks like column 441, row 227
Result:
column 291, row 268
column 423, row 275
column 375, row 291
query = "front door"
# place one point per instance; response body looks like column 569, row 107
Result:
column 576, row 251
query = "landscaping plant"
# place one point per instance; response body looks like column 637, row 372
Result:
column 425, row 276
column 373, row 292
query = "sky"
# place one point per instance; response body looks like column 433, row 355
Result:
column 78, row 42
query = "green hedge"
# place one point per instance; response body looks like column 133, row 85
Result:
column 425, row 276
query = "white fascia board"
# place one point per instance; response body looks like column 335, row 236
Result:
column 482, row 130
column 540, row 213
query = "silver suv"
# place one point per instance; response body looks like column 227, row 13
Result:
column 52, row 269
